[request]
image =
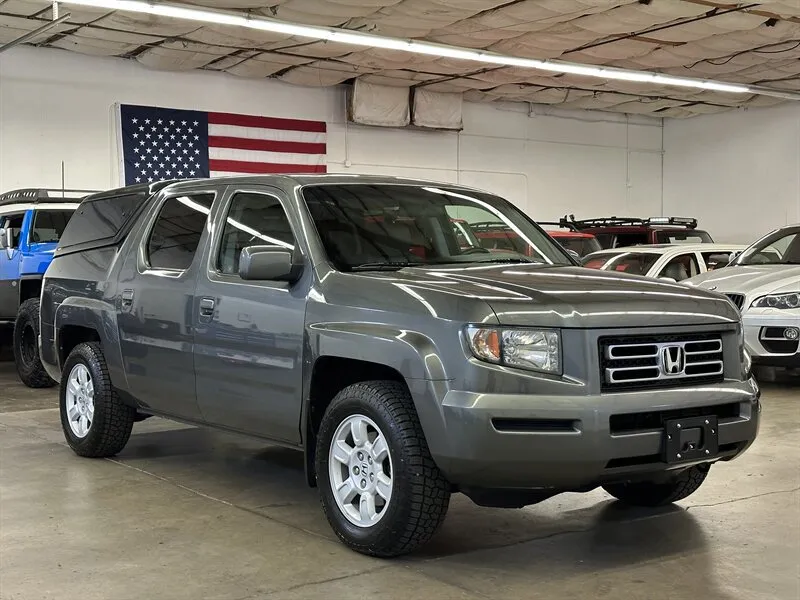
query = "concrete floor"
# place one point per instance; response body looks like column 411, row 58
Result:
column 188, row 513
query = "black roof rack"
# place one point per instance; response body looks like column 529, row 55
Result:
column 38, row 196
column 562, row 223
column 687, row 222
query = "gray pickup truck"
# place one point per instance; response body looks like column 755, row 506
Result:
column 346, row 317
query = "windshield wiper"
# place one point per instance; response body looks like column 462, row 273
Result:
column 384, row 266
column 511, row 261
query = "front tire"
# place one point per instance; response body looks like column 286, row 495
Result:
column 660, row 493
column 26, row 347
column 381, row 491
column 95, row 421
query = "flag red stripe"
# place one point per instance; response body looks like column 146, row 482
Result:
column 220, row 141
column 240, row 166
column 266, row 122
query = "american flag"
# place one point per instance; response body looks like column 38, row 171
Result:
column 166, row 143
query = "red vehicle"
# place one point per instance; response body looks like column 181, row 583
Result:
column 495, row 236
column 616, row 232
column 580, row 242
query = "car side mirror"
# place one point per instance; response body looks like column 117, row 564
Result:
column 3, row 239
column 574, row 254
column 669, row 279
column 269, row 263
column 734, row 256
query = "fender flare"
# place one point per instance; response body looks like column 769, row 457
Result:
column 411, row 353
column 100, row 316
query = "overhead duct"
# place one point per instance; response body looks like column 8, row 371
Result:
column 437, row 110
column 380, row 105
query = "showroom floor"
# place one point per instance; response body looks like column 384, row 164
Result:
column 186, row 513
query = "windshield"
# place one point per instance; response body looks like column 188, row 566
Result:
column 581, row 245
column 365, row 227
column 635, row 263
column 691, row 236
column 48, row 225
column 780, row 247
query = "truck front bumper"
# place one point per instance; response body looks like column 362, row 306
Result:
column 578, row 442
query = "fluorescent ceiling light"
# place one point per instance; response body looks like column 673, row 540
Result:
column 219, row 17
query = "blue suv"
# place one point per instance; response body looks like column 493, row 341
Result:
column 31, row 224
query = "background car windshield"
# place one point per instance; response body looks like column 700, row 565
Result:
column 371, row 225
column 693, row 236
column 635, row 263
column 48, row 225
column 581, row 245
column 778, row 248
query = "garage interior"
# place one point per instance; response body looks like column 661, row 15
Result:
column 187, row 512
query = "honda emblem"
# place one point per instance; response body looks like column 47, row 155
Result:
column 673, row 360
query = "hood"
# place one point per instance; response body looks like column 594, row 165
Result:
column 752, row 280
column 564, row 297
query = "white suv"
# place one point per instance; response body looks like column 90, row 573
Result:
column 764, row 283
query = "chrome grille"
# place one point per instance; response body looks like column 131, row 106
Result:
column 660, row 361
column 737, row 299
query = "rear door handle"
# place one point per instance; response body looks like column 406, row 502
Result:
column 207, row 307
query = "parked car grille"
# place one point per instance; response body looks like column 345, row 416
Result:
column 737, row 299
column 640, row 362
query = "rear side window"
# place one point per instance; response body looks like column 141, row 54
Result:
column 101, row 219
column 631, row 239
column 49, row 225
column 175, row 236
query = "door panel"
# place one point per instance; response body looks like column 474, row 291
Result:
column 249, row 335
column 10, row 267
column 156, row 296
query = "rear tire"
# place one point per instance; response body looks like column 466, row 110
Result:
column 26, row 347
column 95, row 421
column 661, row 493
column 400, row 465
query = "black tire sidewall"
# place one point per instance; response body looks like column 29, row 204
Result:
column 85, row 354
column 398, row 508
column 32, row 373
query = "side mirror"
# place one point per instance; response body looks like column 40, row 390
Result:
column 734, row 255
column 4, row 239
column 269, row 263
column 669, row 279
column 574, row 254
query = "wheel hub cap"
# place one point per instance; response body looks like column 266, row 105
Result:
column 79, row 400
column 360, row 469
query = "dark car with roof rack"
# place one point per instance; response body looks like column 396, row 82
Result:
column 616, row 232
column 31, row 223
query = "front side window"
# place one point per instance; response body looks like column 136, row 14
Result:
column 681, row 267
column 253, row 220
column 176, row 234
column 49, row 225
column 781, row 247
column 13, row 224
column 634, row 263
column 365, row 227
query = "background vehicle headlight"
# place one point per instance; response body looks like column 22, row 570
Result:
column 533, row 349
column 790, row 300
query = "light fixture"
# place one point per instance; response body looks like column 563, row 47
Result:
column 357, row 38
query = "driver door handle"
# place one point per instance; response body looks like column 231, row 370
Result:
column 207, row 307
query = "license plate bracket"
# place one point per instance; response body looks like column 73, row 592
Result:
column 691, row 438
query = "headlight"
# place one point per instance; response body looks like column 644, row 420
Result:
column 534, row 349
column 790, row 300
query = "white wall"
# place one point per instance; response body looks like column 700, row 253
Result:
column 737, row 172
column 58, row 106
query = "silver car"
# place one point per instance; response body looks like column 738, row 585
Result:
column 764, row 283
